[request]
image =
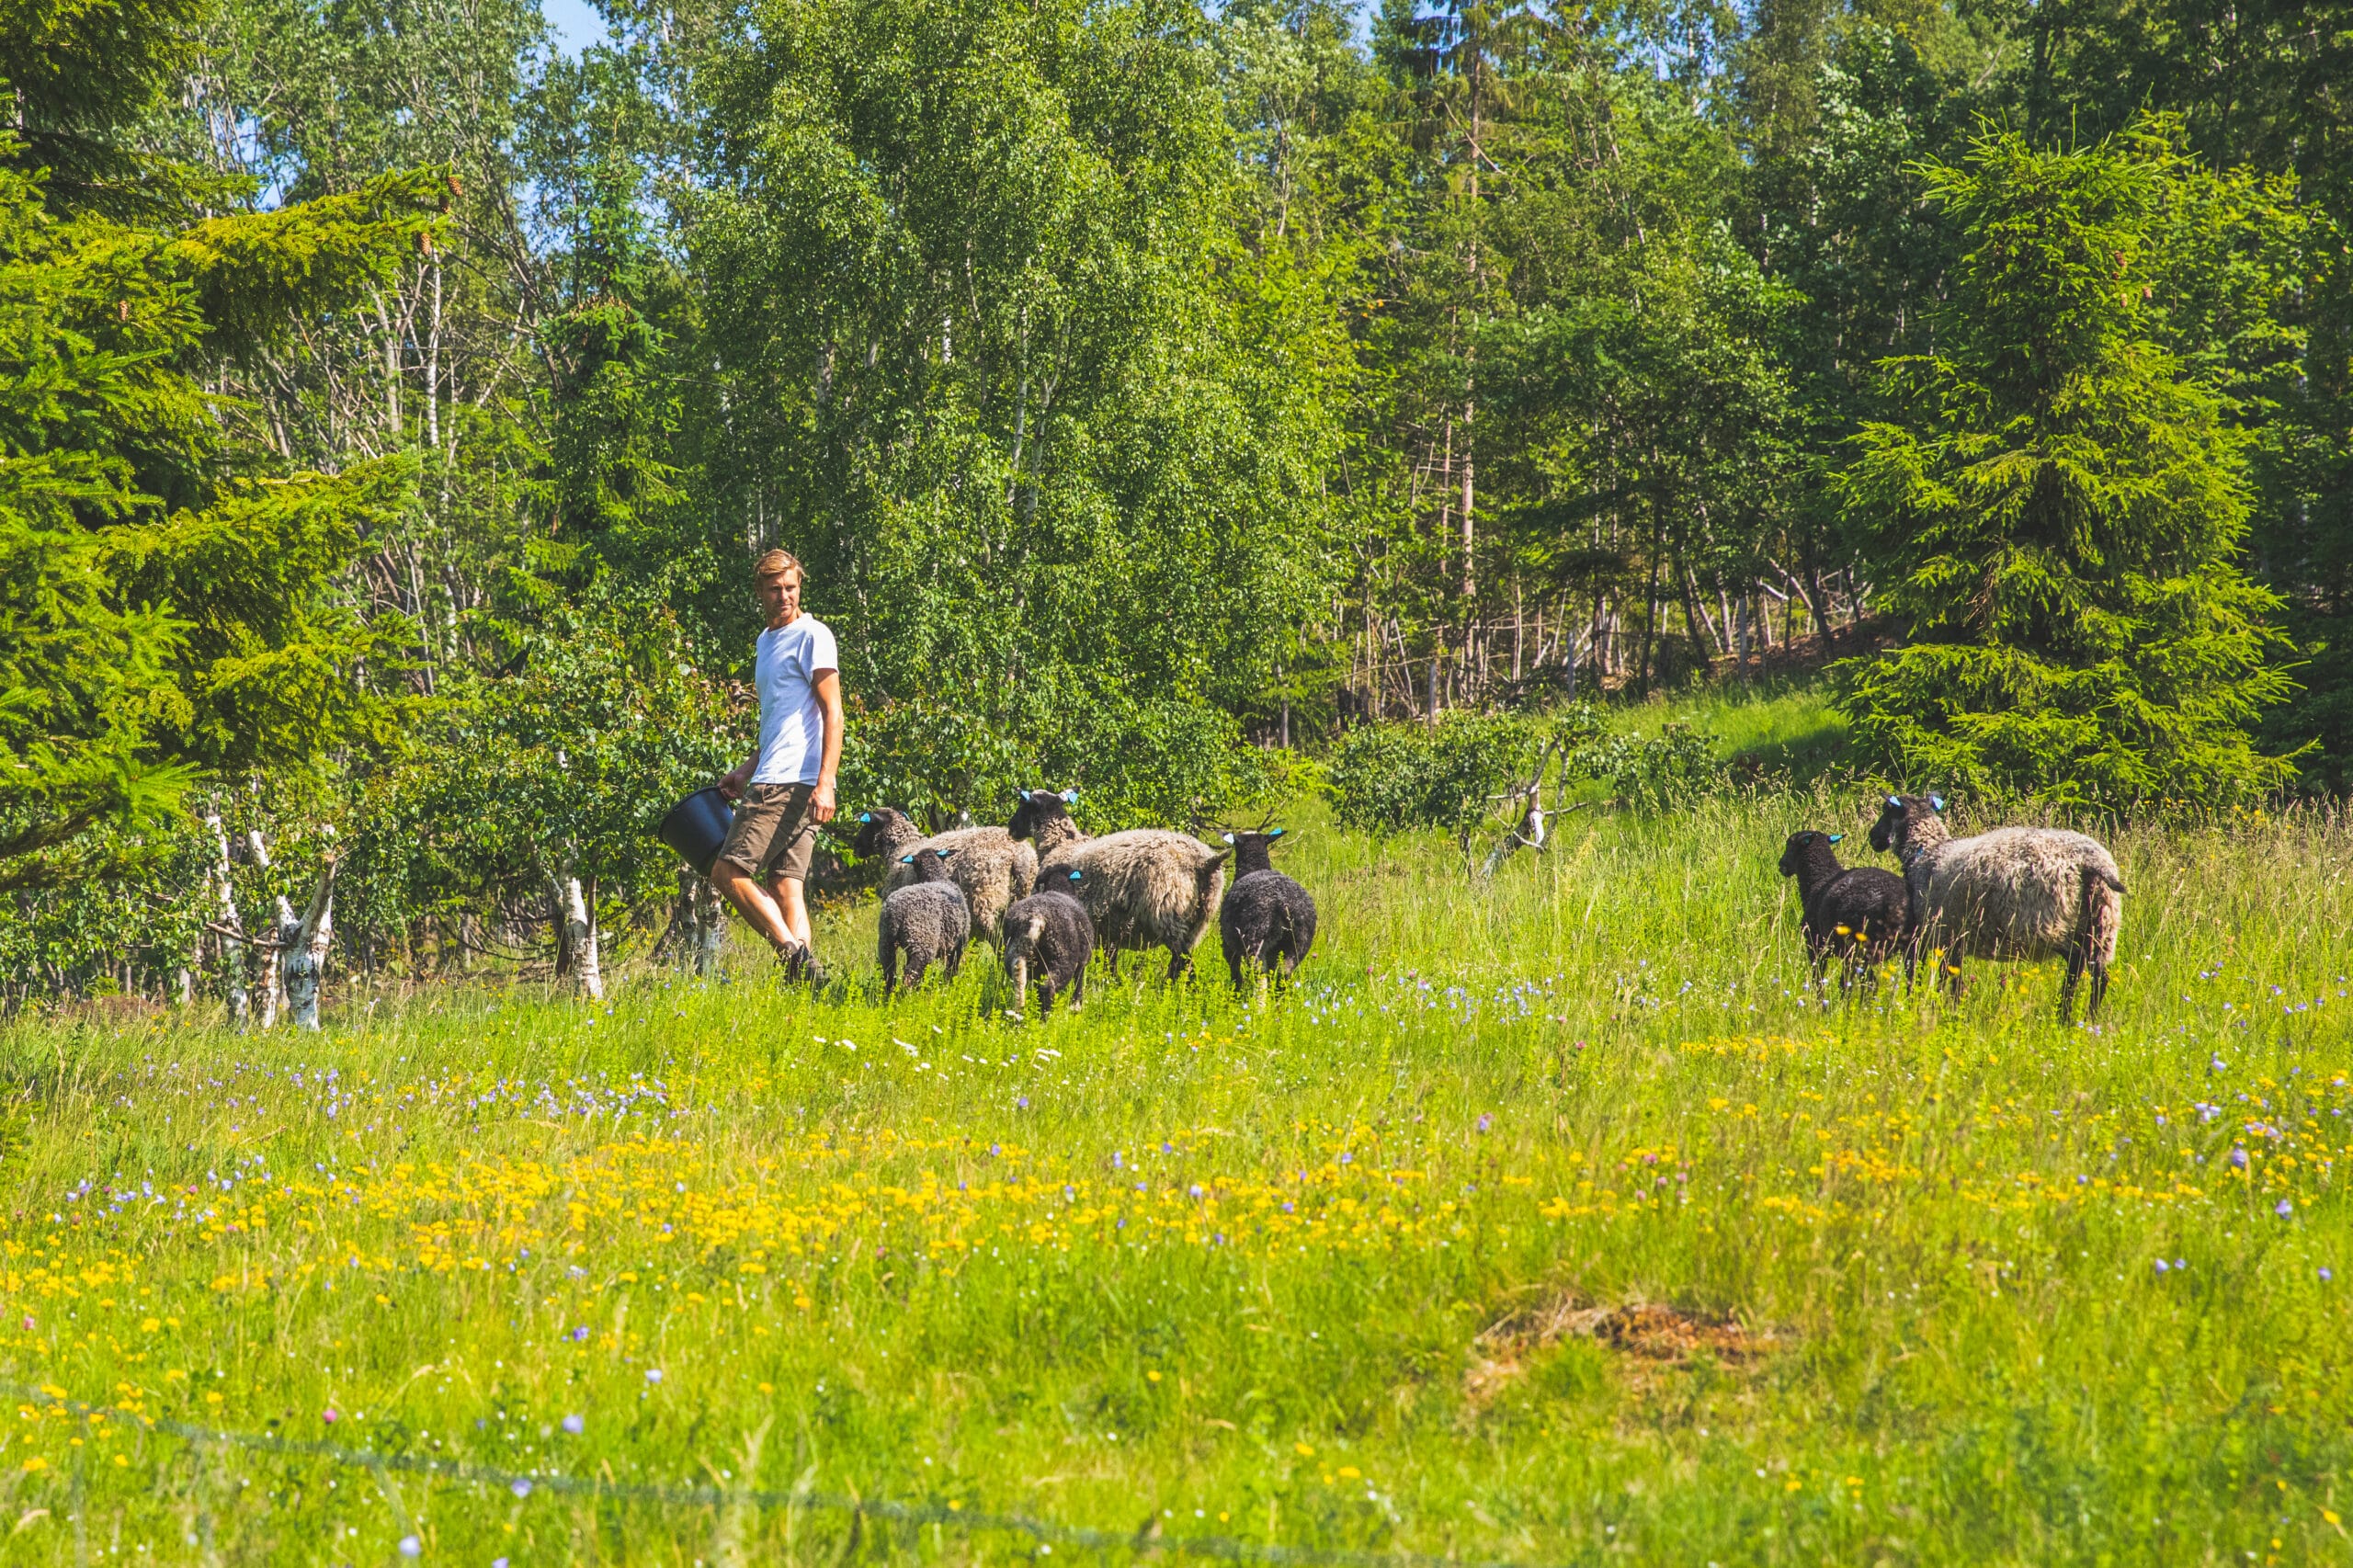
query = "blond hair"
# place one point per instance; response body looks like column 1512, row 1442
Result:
column 775, row 563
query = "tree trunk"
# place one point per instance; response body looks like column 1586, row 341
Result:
column 271, row 981
column 304, row 948
column 580, row 928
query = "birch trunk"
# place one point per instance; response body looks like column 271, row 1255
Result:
column 272, row 964
column 233, row 930
column 302, row 949
column 580, row 932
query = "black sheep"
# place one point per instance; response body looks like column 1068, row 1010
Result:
column 1266, row 918
column 1857, row 912
column 1049, row 936
column 928, row 919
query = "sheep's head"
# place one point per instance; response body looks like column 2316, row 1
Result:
column 1021, row 938
column 1803, row 846
column 1034, row 808
column 1252, row 851
column 1909, row 821
column 929, row 865
column 879, row 829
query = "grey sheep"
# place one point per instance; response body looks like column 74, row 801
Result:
column 1268, row 920
column 1048, row 939
column 992, row 867
column 1143, row 888
column 2015, row 893
column 1860, row 913
column 928, row 919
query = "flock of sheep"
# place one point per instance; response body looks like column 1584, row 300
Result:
column 1046, row 896
column 2013, row 892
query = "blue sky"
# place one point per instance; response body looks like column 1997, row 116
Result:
column 572, row 25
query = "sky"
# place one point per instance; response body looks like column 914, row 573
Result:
column 572, row 25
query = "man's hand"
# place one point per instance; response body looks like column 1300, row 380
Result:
column 821, row 801
column 731, row 783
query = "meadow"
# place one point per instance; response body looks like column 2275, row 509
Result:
column 1550, row 1219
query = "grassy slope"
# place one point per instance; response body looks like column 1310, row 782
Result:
column 927, row 1271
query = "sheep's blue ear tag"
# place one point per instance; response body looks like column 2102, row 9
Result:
column 906, row 859
column 1896, row 801
column 941, row 853
column 866, row 816
column 1836, row 837
column 1070, row 797
column 1073, row 876
column 1937, row 802
column 1227, row 836
column 1277, row 833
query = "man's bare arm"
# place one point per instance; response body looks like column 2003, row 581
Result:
column 828, row 686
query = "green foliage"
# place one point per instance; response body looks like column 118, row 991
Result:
column 997, row 366
column 1393, row 778
column 2057, row 519
column 561, row 769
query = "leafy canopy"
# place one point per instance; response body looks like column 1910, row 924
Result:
column 2057, row 513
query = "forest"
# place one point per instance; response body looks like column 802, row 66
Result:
column 1189, row 405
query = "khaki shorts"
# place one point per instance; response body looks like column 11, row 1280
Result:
column 773, row 832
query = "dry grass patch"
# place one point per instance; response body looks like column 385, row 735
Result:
column 1648, row 1331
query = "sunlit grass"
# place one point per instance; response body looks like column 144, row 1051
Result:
column 1278, row 1269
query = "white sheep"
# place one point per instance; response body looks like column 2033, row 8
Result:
column 2014, row 893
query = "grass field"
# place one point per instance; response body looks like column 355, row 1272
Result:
column 1547, row 1221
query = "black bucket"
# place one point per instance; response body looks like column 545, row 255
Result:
column 697, row 826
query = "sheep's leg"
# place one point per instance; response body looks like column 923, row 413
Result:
column 1078, row 988
column 955, row 962
column 915, row 968
column 1233, row 965
column 2076, row 957
column 1180, row 963
column 2100, row 990
column 1021, row 986
column 1045, row 999
column 890, row 955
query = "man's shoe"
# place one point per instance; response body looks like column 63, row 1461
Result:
column 811, row 970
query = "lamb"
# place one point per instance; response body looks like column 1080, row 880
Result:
column 928, row 918
column 1267, row 917
column 1051, row 930
column 1858, row 913
column 2013, row 892
column 990, row 868
column 1143, row 888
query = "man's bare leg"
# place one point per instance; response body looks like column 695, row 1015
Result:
column 793, row 908
column 757, row 908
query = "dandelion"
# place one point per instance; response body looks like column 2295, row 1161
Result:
column 575, row 1424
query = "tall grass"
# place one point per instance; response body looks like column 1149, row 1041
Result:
column 1362, row 1297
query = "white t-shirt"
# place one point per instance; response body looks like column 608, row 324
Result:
column 793, row 725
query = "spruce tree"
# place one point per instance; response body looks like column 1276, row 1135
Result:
column 2055, row 518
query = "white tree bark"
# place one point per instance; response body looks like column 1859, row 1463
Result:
column 232, row 929
column 271, row 980
column 302, row 949
column 580, row 929
column 710, row 927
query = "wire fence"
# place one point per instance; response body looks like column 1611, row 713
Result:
column 1044, row 1535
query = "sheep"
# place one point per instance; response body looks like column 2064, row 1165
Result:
column 1858, row 913
column 2012, row 893
column 1266, row 917
column 1143, row 888
column 1052, row 929
column 991, row 868
column 928, row 918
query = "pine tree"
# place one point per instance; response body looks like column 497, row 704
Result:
column 2056, row 522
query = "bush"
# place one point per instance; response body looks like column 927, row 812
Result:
column 1389, row 778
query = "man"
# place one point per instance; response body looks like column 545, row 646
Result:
column 786, row 787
